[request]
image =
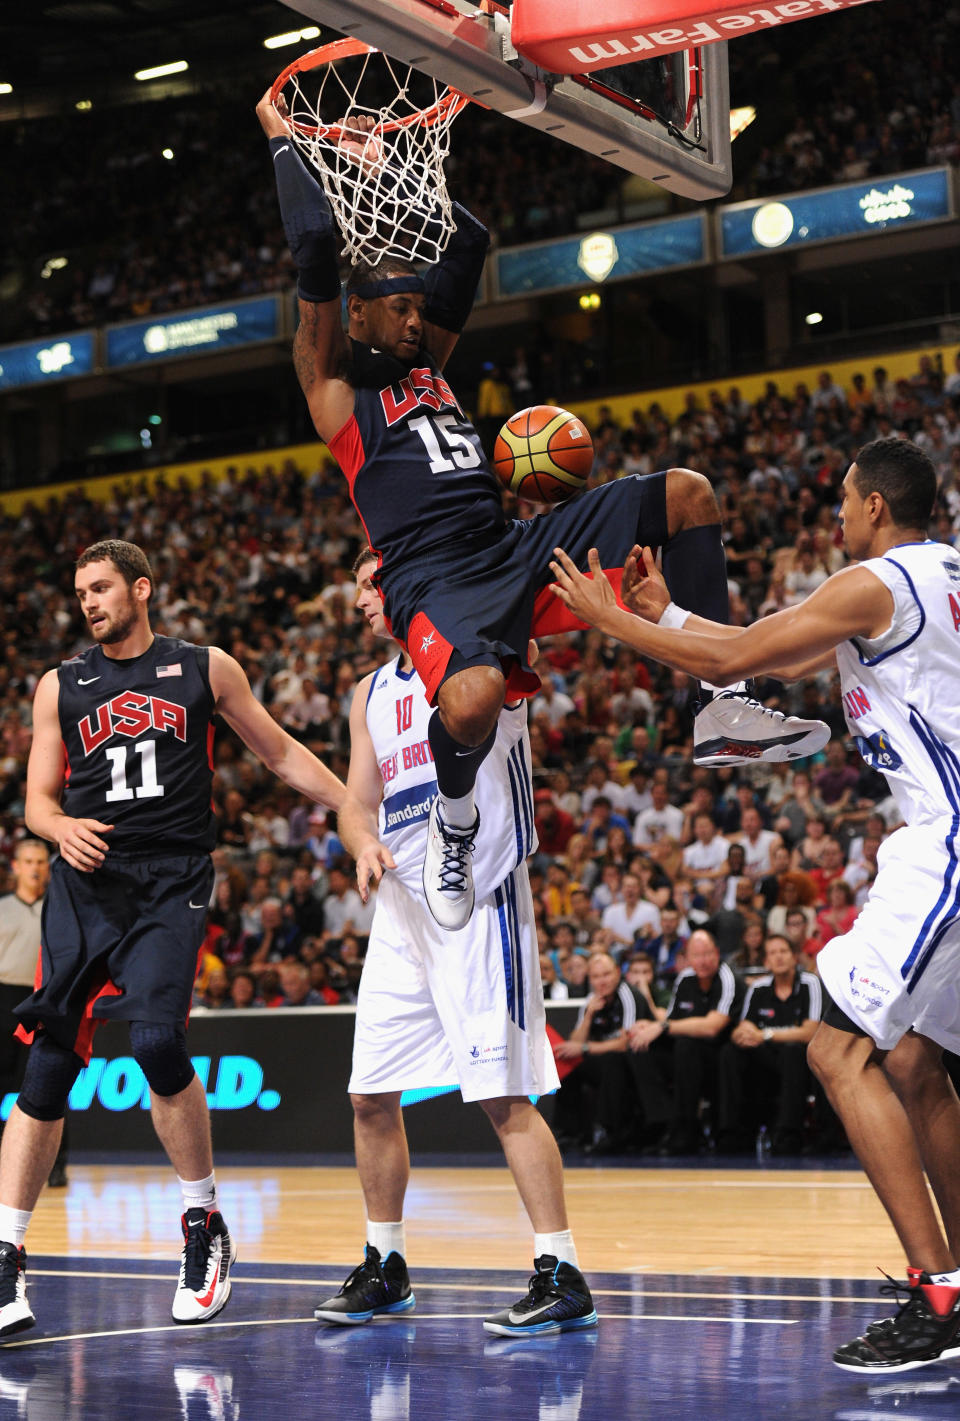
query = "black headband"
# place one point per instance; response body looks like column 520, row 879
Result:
column 388, row 286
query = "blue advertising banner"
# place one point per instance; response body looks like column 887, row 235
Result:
column 624, row 251
column 854, row 210
column 214, row 328
column 56, row 358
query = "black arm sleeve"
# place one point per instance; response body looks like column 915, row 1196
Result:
column 452, row 283
column 308, row 223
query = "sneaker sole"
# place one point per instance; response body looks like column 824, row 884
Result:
column 540, row 1329
column 210, row 1312
column 354, row 1319
column 22, row 1324
column 723, row 750
column 754, row 755
column 884, row 1368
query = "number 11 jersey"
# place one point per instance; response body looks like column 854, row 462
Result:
column 138, row 742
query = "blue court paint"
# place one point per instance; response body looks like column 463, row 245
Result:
column 667, row 1345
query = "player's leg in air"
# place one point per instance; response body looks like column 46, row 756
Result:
column 676, row 510
column 731, row 728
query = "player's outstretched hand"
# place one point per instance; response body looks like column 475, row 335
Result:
column 80, row 844
column 643, row 589
column 374, row 857
column 273, row 116
column 589, row 598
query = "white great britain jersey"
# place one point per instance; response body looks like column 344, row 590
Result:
column 397, row 718
column 901, row 691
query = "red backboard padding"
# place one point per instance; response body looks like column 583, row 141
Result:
column 576, row 36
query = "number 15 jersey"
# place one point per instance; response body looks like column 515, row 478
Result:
column 417, row 473
column 138, row 740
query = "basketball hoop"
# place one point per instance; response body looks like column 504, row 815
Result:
column 377, row 131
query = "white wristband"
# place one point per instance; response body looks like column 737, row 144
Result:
column 673, row 616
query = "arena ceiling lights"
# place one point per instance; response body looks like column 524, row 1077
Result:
column 292, row 37
column 160, row 71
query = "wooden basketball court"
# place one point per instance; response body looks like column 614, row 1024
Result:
column 721, row 1292
column 763, row 1221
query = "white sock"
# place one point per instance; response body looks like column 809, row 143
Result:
column 561, row 1245
column 199, row 1193
column 387, row 1238
column 13, row 1224
column 952, row 1278
column 458, row 813
column 738, row 687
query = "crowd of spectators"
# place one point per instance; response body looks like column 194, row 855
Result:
column 859, row 102
column 640, row 851
column 167, row 233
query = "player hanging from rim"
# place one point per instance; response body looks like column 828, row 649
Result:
column 891, row 626
column 465, row 590
column 430, row 1017
column 120, row 779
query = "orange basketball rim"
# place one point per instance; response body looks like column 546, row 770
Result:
column 446, row 108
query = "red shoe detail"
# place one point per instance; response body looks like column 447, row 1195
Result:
column 207, row 1298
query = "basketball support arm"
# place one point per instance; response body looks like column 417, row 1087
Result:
column 451, row 284
column 308, row 222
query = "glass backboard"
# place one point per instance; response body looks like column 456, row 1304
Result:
column 666, row 119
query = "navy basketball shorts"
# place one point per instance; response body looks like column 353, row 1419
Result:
column 121, row 943
column 482, row 602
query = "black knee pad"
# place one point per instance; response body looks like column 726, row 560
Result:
column 48, row 1079
column 161, row 1053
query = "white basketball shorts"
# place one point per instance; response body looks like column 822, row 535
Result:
column 899, row 965
column 439, row 1008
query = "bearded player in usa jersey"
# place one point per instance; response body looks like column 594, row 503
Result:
column 465, row 589
column 119, row 779
column 891, row 626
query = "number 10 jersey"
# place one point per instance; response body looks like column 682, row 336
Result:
column 138, row 741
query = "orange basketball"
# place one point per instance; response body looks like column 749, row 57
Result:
column 543, row 454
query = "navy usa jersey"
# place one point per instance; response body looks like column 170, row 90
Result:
column 416, row 469
column 137, row 737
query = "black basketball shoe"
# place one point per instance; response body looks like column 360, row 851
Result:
column 925, row 1329
column 558, row 1301
column 373, row 1288
column 15, row 1314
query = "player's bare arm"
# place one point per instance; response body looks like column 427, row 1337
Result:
column 271, row 744
column 852, row 603
column 644, row 592
column 357, row 820
column 80, row 841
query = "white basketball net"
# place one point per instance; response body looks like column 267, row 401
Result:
column 386, row 186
